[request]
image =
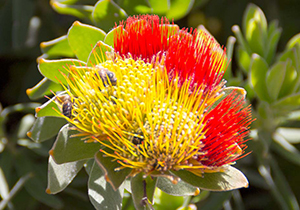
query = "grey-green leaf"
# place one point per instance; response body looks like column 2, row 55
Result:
column 61, row 175
column 142, row 190
column 82, row 38
column 258, row 71
column 292, row 135
column 275, row 78
column 180, row 189
column 101, row 193
column 293, row 41
column 49, row 108
column 43, row 88
column 56, row 70
column 288, row 103
column 254, row 12
column 284, row 148
column 106, row 13
column 109, row 166
column 238, row 91
column 98, row 54
column 68, row 149
column 57, row 47
column 45, row 128
column 109, row 38
column 230, row 179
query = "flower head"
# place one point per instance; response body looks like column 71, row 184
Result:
column 157, row 102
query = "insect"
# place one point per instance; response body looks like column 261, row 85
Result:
column 107, row 76
column 137, row 140
column 66, row 103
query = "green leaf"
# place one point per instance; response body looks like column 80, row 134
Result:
column 290, row 81
column 295, row 40
column 134, row 7
column 89, row 165
column 68, row 149
column 241, row 40
column 4, row 189
column 229, row 54
column 288, row 103
column 36, row 185
column 258, row 71
column 58, row 47
column 140, row 189
column 180, row 189
column 60, row 176
column 160, row 7
column 48, row 108
column 240, row 92
column 98, row 54
column 230, row 179
column 272, row 28
column 45, row 128
column 272, row 45
column 25, row 124
column 179, row 9
column 253, row 12
column 138, row 192
column 285, row 149
column 43, row 88
column 101, row 192
column 109, row 38
column 56, row 69
column 150, row 187
column 106, row 13
column 291, row 55
column 256, row 37
column 283, row 186
column 82, row 38
column 80, row 11
column 292, row 135
column 275, row 78
column 109, row 166
column 244, row 59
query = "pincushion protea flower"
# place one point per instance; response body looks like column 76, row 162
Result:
column 157, row 105
column 159, row 116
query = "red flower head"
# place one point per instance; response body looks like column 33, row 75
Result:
column 196, row 56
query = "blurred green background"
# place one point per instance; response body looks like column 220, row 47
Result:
column 24, row 24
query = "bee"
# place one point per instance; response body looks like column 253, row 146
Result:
column 66, row 103
column 137, row 140
column 107, row 76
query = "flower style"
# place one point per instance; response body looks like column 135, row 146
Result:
column 157, row 102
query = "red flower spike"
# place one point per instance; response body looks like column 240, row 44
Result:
column 195, row 56
column 142, row 37
column 226, row 127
